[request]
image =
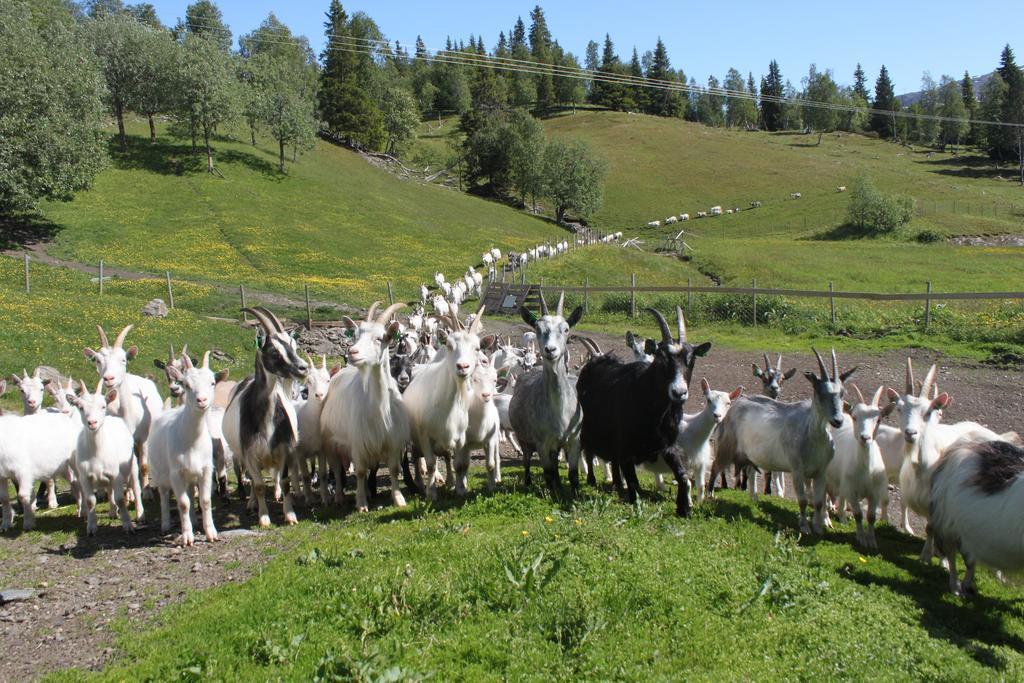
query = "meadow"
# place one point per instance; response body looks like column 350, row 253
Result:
column 516, row 585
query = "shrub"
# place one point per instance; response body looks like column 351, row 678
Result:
column 873, row 210
column 928, row 237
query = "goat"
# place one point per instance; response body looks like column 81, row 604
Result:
column 632, row 411
column 755, row 205
column 544, row 412
column 925, row 442
column 104, row 457
column 772, row 380
column 260, row 424
column 364, row 421
column 308, row 414
column 181, row 451
column 32, row 393
column 977, row 492
column 139, row 400
column 694, row 439
column 33, row 448
column 787, row 437
column 438, row 401
column 643, row 352
column 857, row 471
column 484, row 427
column 715, row 211
column 794, row 195
column 841, row 188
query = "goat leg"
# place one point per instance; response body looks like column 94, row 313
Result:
column 629, row 474
column 683, row 500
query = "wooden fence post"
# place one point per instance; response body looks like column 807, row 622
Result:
column 28, row 287
column 753, row 293
column 928, row 307
column 832, row 303
column 101, row 277
column 689, row 296
column 241, row 292
column 632, row 295
column 586, row 294
column 170, row 291
column 391, row 295
column 309, row 313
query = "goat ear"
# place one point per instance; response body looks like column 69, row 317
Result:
column 847, row 408
column 527, row 315
column 736, row 393
column 16, row 380
column 221, row 375
column 757, row 370
column 392, row 330
column 46, row 381
column 132, row 352
column 886, row 410
column 348, row 322
column 844, row 375
column 335, row 369
column 789, row 373
column 941, row 402
column 73, row 399
column 111, row 395
column 575, row 316
column 159, row 363
column 812, row 378
column 892, row 394
column 650, row 346
column 487, row 342
column 3, row 387
column 702, row 349
column 90, row 354
column 704, row 385
column 174, row 373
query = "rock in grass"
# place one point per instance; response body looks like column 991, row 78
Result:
column 16, row 595
column 237, row 533
column 155, row 308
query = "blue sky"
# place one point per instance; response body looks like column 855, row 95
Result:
column 941, row 36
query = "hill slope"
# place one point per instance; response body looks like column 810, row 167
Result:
column 334, row 222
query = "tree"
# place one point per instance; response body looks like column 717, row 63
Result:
column 204, row 18
column 819, row 87
column 526, row 156
column 971, row 107
column 872, row 210
column 636, row 95
column 928, row 127
column 1007, row 142
column 739, row 110
column 993, row 94
column 607, row 93
column 523, row 87
column 345, row 106
column 51, row 108
column 592, row 63
column 400, row 118
column 662, row 102
column 771, row 93
column 860, row 83
column 567, row 90
column 710, row 103
column 119, row 42
column 885, row 101
column 540, row 51
column 574, row 178
column 207, row 87
column 154, row 85
column 954, row 126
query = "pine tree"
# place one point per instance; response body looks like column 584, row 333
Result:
column 345, row 106
column 885, row 100
column 662, row 102
column 860, row 83
column 636, row 95
column 771, row 87
column 971, row 106
column 518, row 34
column 608, row 94
column 540, row 50
column 592, row 63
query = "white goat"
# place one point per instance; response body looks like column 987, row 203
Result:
column 364, row 421
column 977, row 496
column 438, row 401
column 484, row 428
column 317, row 383
column 32, row 392
column 181, row 452
column 104, row 459
column 139, row 402
column 33, row 448
column 857, row 471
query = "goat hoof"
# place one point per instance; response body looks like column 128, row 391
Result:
column 290, row 519
column 363, row 508
column 399, row 500
column 264, row 521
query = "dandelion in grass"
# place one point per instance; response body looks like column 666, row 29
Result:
column 525, row 533
column 549, row 519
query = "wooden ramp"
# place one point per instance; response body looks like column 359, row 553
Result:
column 508, row 297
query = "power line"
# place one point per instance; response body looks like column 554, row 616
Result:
column 374, row 47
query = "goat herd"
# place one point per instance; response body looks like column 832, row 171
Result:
column 409, row 395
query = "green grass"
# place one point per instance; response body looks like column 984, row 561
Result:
column 334, row 221
column 52, row 324
column 516, row 586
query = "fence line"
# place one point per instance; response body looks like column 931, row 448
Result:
column 795, row 293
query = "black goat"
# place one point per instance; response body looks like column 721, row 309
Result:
column 631, row 411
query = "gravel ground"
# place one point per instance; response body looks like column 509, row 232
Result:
column 82, row 585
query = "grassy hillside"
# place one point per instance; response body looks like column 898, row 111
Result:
column 660, row 167
column 334, row 221
column 517, row 586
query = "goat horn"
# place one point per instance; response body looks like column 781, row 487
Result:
column 371, row 310
column 860, row 396
column 170, row 353
column 261, row 318
column 543, row 303
column 309, row 359
column 184, row 351
column 877, row 397
column 835, row 366
column 206, row 361
column 456, row 323
column 388, row 312
column 929, row 380
column 477, row 321
column 778, row 365
column 666, row 335
column 767, row 363
column 910, row 377
column 323, row 362
column 680, row 324
column 278, row 327
column 103, row 336
column 821, row 364
column 119, row 342
column 561, row 303
column 591, row 346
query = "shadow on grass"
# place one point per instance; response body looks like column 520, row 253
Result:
column 846, row 231
column 968, row 166
column 168, row 156
column 24, row 229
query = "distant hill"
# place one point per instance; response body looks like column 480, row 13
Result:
column 979, row 82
